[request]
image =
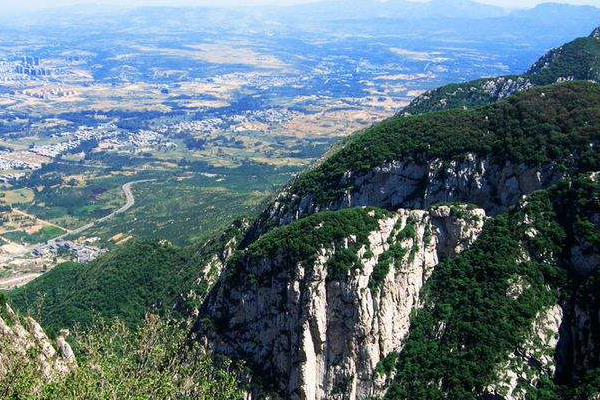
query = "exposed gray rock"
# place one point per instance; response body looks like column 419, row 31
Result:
column 532, row 360
column 316, row 338
column 409, row 185
column 25, row 338
column 483, row 91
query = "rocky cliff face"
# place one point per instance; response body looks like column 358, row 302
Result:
column 334, row 317
column 24, row 339
column 317, row 337
column 476, row 180
column 534, row 359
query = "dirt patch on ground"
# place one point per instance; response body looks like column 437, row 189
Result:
column 18, row 196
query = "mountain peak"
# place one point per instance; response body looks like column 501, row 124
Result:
column 596, row 33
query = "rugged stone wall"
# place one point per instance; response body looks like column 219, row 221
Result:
column 398, row 184
column 316, row 338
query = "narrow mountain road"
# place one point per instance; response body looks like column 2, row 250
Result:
column 129, row 202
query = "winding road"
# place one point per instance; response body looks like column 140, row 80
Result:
column 15, row 281
column 129, row 202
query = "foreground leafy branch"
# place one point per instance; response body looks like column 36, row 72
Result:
column 117, row 362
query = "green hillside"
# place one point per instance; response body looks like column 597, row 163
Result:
column 577, row 60
column 125, row 283
column 467, row 295
column 540, row 126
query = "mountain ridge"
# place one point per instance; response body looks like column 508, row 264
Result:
column 330, row 319
column 453, row 254
column 576, row 60
column 452, row 152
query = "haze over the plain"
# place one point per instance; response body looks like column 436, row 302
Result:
column 16, row 6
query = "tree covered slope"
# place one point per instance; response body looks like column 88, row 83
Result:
column 486, row 310
column 577, row 60
column 126, row 283
column 488, row 156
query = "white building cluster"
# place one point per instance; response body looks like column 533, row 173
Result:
column 83, row 252
column 7, row 163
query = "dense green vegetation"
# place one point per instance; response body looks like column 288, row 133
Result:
column 303, row 241
column 117, row 362
column 469, row 324
column 4, row 314
column 459, row 95
column 578, row 60
column 125, row 283
column 559, row 123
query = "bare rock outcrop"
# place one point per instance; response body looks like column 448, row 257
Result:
column 534, row 359
column 483, row 91
column 23, row 339
column 398, row 184
column 315, row 337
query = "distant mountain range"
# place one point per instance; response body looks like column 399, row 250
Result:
column 452, row 22
column 400, row 9
column 329, row 11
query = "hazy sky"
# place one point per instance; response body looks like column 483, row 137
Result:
column 16, row 5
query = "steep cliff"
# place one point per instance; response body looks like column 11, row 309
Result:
column 577, row 60
column 420, row 304
column 316, row 313
column 503, row 320
column 426, row 296
column 489, row 156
